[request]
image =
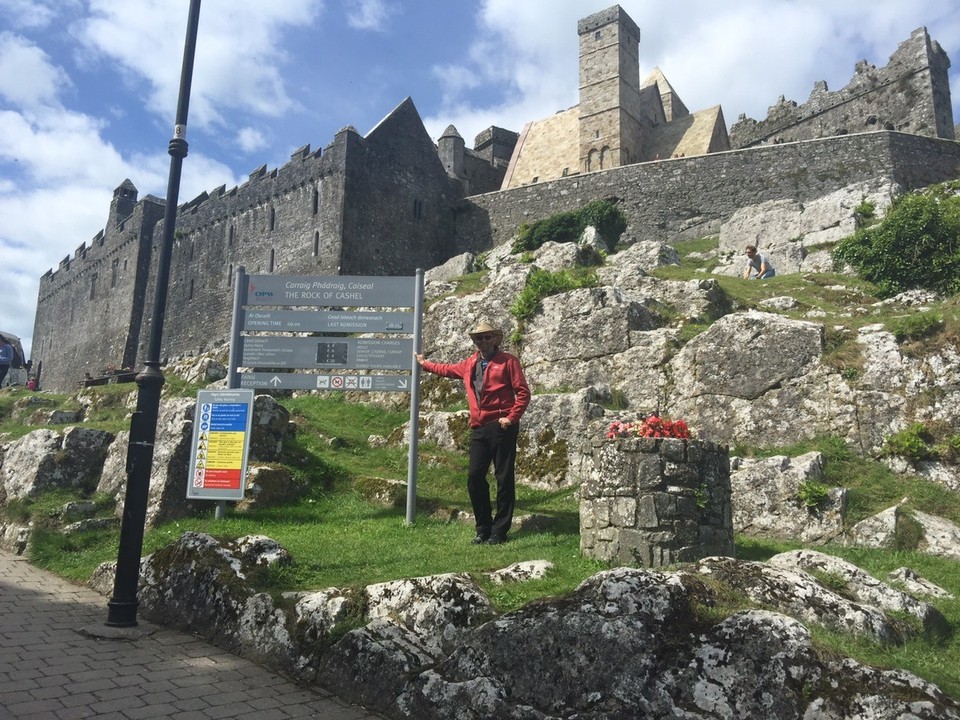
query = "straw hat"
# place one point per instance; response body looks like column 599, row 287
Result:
column 484, row 328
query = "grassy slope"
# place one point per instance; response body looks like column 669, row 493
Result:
column 339, row 539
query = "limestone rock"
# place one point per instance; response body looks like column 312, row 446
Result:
column 268, row 486
column 521, row 572
column 626, row 643
column 767, row 502
column 878, row 531
column 437, row 609
column 45, row 460
column 863, row 587
column 268, row 428
column 594, row 322
column 552, row 430
column 940, row 537
column 455, row 267
column 371, row 665
column 916, row 584
column 788, row 231
column 800, row 596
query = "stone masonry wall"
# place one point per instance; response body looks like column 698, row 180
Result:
column 285, row 221
column 656, row 502
column 910, row 94
column 687, row 198
column 88, row 309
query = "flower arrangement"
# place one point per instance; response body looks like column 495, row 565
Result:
column 651, row 426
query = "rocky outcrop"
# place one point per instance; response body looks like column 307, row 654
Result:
column 45, row 460
column 627, row 643
column 768, row 499
column 796, row 236
column 894, row 528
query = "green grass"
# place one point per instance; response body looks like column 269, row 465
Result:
column 339, row 539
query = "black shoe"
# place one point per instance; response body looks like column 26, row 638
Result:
column 480, row 539
column 496, row 540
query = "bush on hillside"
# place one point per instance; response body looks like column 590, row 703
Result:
column 609, row 221
column 916, row 246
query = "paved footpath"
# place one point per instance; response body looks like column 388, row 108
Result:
column 58, row 661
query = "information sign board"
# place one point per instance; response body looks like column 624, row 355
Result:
column 357, row 353
column 330, row 291
column 330, row 322
column 221, row 443
column 304, row 381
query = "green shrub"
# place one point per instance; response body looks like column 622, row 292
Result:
column 609, row 221
column 542, row 283
column 813, row 494
column 914, row 443
column 916, row 246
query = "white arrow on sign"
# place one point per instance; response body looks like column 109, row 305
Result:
column 275, row 380
column 403, row 383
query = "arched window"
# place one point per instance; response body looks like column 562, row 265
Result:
column 273, row 219
column 605, row 157
column 316, row 201
column 316, row 243
column 273, row 258
column 592, row 160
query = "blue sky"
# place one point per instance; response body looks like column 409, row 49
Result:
column 88, row 88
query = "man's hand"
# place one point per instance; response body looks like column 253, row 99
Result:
column 505, row 423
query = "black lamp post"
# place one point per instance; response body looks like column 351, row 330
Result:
column 122, row 607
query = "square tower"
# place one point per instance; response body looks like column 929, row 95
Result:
column 611, row 127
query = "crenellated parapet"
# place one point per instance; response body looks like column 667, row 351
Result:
column 910, row 94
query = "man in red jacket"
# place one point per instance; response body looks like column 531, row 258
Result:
column 497, row 394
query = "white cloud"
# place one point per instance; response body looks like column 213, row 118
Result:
column 368, row 14
column 251, row 140
column 239, row 52
column 28, row 14
column 27, row 77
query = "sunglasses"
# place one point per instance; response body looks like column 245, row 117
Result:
column 485, row 336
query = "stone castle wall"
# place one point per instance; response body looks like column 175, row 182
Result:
column 89, row 308
column 911, row 94
column 688, row 198
column 293, row 220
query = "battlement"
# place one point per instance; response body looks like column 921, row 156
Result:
column 910, row 94
column 600, row 19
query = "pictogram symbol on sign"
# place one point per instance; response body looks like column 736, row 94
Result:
column 351, row 382
column 323, row 381
column 336, row 381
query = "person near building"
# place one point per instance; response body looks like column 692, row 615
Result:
column 758, row 267
column 498, row 395
column 6, row 359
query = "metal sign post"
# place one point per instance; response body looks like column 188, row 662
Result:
column 415, row 402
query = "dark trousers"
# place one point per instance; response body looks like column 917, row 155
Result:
column 3, row 372
column 491, row 443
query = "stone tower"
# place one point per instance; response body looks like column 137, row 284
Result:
column 611, row 126
column 122, row 205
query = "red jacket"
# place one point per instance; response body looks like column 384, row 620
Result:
column 504, row 392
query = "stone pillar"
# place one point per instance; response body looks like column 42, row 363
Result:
column 654, row 502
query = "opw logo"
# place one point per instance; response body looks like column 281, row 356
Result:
column 263, row 293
